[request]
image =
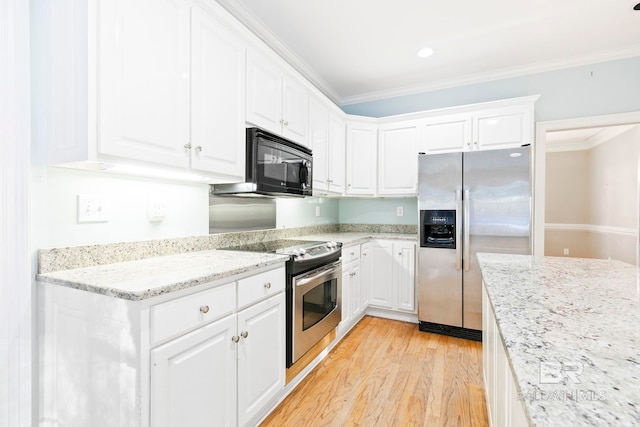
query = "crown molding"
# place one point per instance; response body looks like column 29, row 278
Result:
column 492, row 76
column 249, row 20
column 603, row 135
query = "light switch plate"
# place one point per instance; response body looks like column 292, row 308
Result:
column 92, row 208
column 400, row 211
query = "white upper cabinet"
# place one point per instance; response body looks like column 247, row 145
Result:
column 327, row 139
column 503, row 127
column 218, row 98
column 337, row 153
column 492, row 125
column 275, row 101
column 398, row 159
column 158, row 86
column 361, row 157
column 444, row 134
column 319, row 143
column 143, row 86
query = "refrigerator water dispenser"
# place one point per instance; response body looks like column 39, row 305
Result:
column 438, row 229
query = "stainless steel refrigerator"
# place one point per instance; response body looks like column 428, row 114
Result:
column 468, row 202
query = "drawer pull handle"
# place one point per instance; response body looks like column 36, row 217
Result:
column 267, row 285
column 204, row 309
column 235, row 338
column 244, row 334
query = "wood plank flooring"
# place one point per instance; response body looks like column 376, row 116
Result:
column 388, row 373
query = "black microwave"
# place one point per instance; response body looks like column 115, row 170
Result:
column 274, row 167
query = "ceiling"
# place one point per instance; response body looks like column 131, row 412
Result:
column 361, row 50
column 582, row 139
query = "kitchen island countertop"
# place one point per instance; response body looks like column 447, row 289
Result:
column 571, row 332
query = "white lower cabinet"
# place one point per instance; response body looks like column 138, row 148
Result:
column 261, row 369
column 193, row 378
column 213, row 357
column 392, row 275
column 352, row 301
column 504, row 406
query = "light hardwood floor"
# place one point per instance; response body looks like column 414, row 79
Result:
column 388, row 373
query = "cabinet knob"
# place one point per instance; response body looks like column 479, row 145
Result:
column 400, row 253
column 199, row 148
column 352, row 253
column 204, row 309
column 235, row 338
column 475, row 143
column 267, row 285
column 286, row 123
column 469, row 144
column 187, row 146
column 244, row 334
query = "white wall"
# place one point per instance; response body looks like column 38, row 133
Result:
column 16, row 288
column 55, row 192
column 307, row 211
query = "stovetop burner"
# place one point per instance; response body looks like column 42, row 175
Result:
column 300, row 250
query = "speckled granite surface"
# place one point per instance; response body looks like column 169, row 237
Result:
column 57, row 259
column 571, row 328
column 142, row 279
column 353, row 238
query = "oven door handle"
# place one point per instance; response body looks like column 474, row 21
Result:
column 325, row 271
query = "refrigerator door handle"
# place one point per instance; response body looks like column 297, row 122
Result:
column 465, row 223
column 458, row 229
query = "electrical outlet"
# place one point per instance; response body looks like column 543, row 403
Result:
column 566, row 251
column 400, row 211
column 317, row 210
column 157, row 210
column 92, row 208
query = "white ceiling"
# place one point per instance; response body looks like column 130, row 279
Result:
column 582, row 139
column 359, row 50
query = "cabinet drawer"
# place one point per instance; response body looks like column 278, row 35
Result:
column 260, row 286
column 350, row 254
column 171, row 318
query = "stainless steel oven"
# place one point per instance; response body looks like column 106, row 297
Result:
column 313, row 290
column 316, row 306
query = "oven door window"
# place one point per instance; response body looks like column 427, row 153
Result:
column 318, row 302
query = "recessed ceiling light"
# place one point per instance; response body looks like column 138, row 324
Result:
column 425, row 52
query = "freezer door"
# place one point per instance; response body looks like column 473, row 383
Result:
column 439, row 176
column 497, row 189
column 439, row 275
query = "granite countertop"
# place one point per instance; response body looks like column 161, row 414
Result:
column 353, row 238
column 571, row 328
column 142, row 279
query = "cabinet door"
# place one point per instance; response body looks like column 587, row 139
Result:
column 381, row 285
column 295, row 111
column 143, row 80
column 446, row 134
column 319, row 143
column 361, row 159
column 261, row 361
column 193, row 378
column 217, row 99
column 366, row 274
column 404, row 254
column 398, row 160
column 337, row 153
column 503, row 128
column 354, row 285
column 264, row 93
column 346, row 297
